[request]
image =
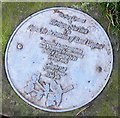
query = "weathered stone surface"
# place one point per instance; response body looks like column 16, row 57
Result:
column 54, row 55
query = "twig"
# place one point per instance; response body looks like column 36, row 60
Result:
column 80, row 111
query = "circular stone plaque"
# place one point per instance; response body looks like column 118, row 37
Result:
column 58, row 59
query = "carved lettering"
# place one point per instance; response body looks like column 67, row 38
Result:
column 68, row 17
column 69, row 27
column 76, row 39
column 61, row 53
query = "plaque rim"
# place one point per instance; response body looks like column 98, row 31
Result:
column 6, row 58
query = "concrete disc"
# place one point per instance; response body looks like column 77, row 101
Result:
column 58, row 59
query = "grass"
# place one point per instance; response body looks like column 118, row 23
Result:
column 113, row 15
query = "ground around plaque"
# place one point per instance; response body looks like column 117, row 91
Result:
column 106, row 104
